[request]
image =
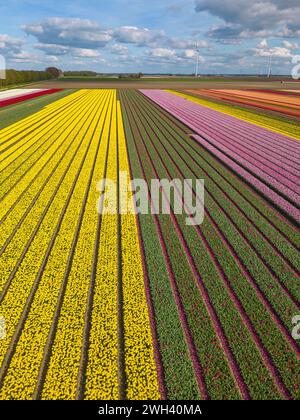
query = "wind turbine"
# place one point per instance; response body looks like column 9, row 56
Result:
column 270, row 65
column 197, row 58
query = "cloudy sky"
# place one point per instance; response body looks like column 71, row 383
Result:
column 157, row 36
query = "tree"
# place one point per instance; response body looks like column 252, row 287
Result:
column 15, row 77
column 55, row 73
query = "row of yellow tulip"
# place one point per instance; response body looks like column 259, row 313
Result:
column 102, row 381
column 139, row 358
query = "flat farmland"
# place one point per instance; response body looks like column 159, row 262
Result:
column 168, row 83
column 101, row 302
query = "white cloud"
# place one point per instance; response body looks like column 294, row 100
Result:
column 280, row 52
column 53, row 49
column 24, row 57
column 85, row 52
column 252, row 16
column 263, row 43
column 191, row 54
column 82, row 38
column 138, row 36
column 186, row 43
column 119, row 49
column 71, row 32
column 52, row 58
column 291, row 45
column 10, row 46
column 285, row 51
column 166, row 55
column 162, row 53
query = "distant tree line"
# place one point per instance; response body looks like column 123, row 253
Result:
column 80, row 73
column 131, row 76
column 15, row 77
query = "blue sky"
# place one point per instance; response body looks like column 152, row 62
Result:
column 151, row 36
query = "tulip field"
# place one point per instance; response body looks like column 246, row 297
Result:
column 284, row 102
column 255, row 116
column 15, row 96
column 268, row 156
column 113, row 305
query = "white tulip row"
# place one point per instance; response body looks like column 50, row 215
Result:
column 16, row 93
